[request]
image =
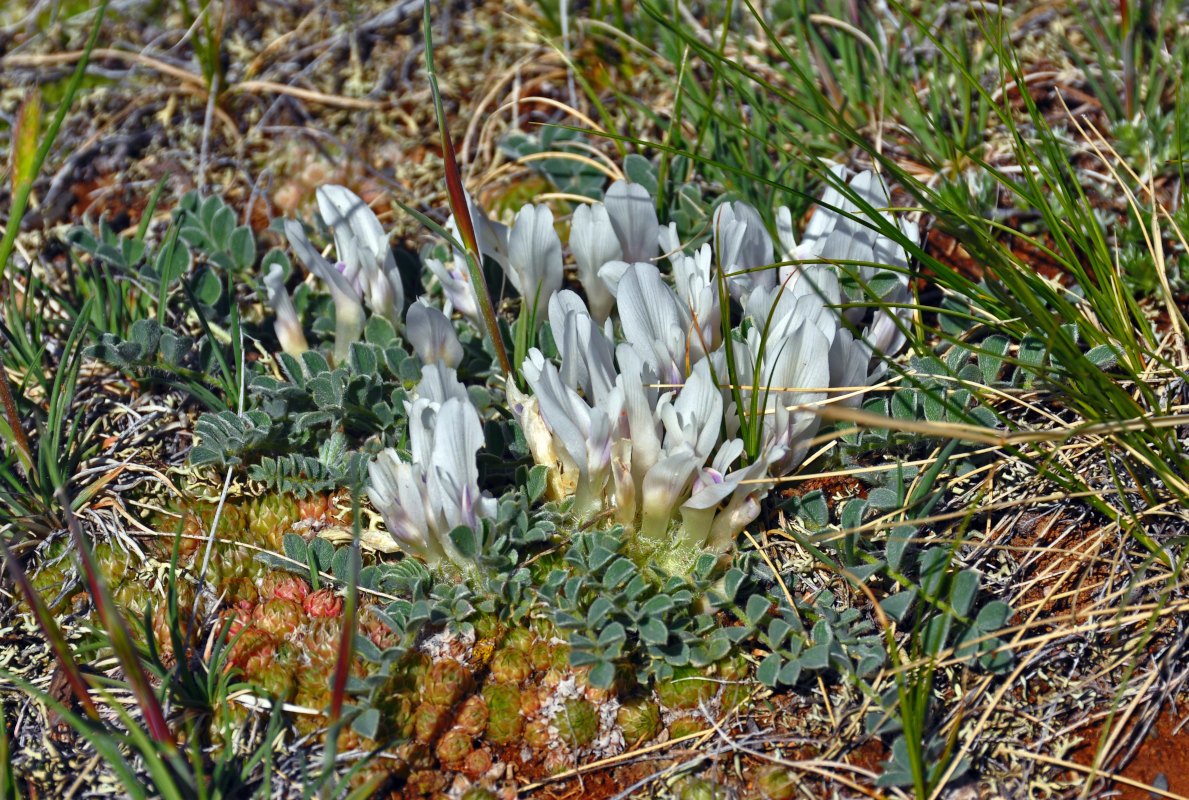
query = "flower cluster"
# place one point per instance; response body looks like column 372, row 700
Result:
column 657, row 413
column 678, row 430
column 437, row 489
column 365, row 269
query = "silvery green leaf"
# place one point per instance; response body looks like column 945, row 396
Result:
column 242, row 246
column 970, row 374
column 897, row 605
column 340, row 563
column 602, row 675
column 731, row 582
column 814, row 507
column 599, row 557
column 658, row 605
column 612, row 635
column 294, row 547
column 699, row 656
column 171, row 261
column 653, row 631
column 718, row 645
column 618, row 572
column 537, row 484
column 861, row 572
column 737, row 633
column 367, row 724
column 363, row 359
column 704, row 565
column 768, row 673
column 639, row 169
column 883, row 498
column 993, row 616
column 635, row 587
column 964, row 590
column 368, row 650
column 790, row 673
column 777, row 630
column 598, row 610
column 757, row 607
column 221, row 224
column 904, row 404
column 323, row 552
column 369, row 577
column 937, row 631
column 869, row 663
column 816, row 657
column 934, row 565
column 934, row 398
column 990, row 357
column 1105, row 356
column 465, row 540
column 994, row 658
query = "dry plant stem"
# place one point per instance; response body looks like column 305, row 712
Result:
column 53, row 634
column 194, row 81
column 24, row 454
column 121, row 641
column 1076, row 767
column 347, row 643
column 462, row 214
column 204, row 149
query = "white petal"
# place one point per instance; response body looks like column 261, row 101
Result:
column 593, row 243
column 664, row 488
column 633, row 216
column 363, row 245
column 534, row 258
column 440, row 383
column 287, row 325
column 349, row 316
column 654, row 322
column 432, row 335
column 453, row 481
column 457, row 288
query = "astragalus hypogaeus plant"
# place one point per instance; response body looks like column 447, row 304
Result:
column 684, row 383
column 675, row 422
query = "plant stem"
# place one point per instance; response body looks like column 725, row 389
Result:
column 461, row 211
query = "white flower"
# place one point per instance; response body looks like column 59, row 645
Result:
column 546, row 449
column 432, row 334
column 287, row 325
column 785, row 363
column 439, row 383
column 456, row 286
column 704, row 519
column 743, row 247
column 593, row 243
column 693, row 280
column 422, row 500
column 665, row 486
column 397, row 489
column 841, row 231
column 632, row 213
column 584, row 433
column 363, row 248
column 492, row 236
column 587, row 353
column 348, row 311
column 455, row 276
column 534, row 259
column 655, row 322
